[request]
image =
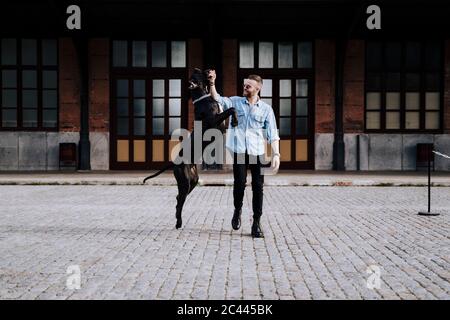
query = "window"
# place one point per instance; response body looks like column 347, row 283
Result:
column 270, row 55
column 287, row 71
column 149, row 101
column 146, row 54
column 403, row 86
column 29, row 84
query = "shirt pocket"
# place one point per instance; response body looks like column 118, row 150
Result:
column 258, row 119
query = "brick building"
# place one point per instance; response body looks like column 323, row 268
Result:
column 345, row 97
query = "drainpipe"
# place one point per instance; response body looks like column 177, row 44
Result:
column 84, row 145
column 338, row 144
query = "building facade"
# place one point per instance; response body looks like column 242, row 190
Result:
column 344, row 98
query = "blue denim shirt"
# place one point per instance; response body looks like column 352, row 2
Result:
column 257, row 123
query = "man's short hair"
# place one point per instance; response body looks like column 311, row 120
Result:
column 256, row 78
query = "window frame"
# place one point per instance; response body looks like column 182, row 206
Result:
column 422, row 70
column 39, row 68
column 147, row 73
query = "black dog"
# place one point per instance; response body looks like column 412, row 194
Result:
column 206, row 110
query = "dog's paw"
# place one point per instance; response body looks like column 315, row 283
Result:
column 234, row 123
column 179, row 223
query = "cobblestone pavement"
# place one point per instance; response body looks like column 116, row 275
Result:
column 319, row 243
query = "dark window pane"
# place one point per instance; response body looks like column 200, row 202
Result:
column 9, row 98
column 9, row 118
column 49, row 79
column 159, row 54
column 158, row 88
column 302, row 107
column 122, row 88
column 304, row 55
column 158, row 107
column 120, row 53
column 301, row 87
column 9, row 52
column 29, row 79
column 432, row 82
column 29, row 52
column 139, row 53
column 373, row 55
column 412, row 55
column 285, row 107
column 175, row 107
column 285, row 55
column 49, row 52
column 139, row 88
column 49, row 99
column 122, row 107
column 285, row 126
column 9, row 79
column 301, row 126
column 246, row 55
column 393, row 55
column 158, row 126
column 174, row 123
column 122, row 126
column 432, row 56
column 393, row 81
column 139, row 107
column 373, row 82
column 49, row 118
column 29, row 98
column 139, row 126
column 29, row 118
column 178, row 54
column 412, row 81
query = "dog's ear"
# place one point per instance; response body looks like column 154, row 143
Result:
column 197, row 70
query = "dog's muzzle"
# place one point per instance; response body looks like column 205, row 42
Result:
column 192, row 85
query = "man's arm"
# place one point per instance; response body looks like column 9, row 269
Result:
column 274, row 139
column 223, row 101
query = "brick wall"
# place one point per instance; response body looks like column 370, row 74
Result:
column 99, row 85
column 447, row 88
column 195, row 60
column 354, row 87
column 69, row 87
column 230, row 65
column 324, row 86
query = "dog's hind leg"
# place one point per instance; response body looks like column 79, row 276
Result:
column 183, row 190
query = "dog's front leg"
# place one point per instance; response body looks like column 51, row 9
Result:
column 225, row 115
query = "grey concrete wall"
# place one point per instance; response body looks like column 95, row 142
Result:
column 393, row 151
column 99, row 150
column 324, row 151
column 32, row 150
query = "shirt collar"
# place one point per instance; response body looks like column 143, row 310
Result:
column 258, row 102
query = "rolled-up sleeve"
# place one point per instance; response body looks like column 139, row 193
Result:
column 225, row 102
column 271, row 127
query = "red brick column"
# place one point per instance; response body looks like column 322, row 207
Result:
column 195, row 60
column 99, row 85
column 324, row 86
column 69, row 87
column 354, row 87
column 447, row 88
column 230, row 66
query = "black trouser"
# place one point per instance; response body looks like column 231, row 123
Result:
column 240, row 179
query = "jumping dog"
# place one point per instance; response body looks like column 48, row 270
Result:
column 208, row 111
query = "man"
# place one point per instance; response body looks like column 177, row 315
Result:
column 246, row 142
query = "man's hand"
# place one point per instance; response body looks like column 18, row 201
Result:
column 275, row 162
column 211, row 77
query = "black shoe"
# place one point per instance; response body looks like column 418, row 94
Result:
column 236, row 221
column 256, row 229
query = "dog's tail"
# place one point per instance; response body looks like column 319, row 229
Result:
column 170, row 165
